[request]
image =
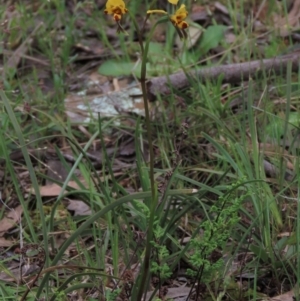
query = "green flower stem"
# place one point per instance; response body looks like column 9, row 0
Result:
column 145, row 271
column 139, row 32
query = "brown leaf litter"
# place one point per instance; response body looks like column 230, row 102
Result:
column 11, row 219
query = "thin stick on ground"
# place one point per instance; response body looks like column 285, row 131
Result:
column 232, row 73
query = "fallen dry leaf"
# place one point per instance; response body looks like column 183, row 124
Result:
column 290, row 22
column 10, row 273
column 174, row 292
column 15, row 58
column 53, row 189
column 56, row 171
column 11, row 219
column 284, row 297
column 79, row 207
column 5, row 243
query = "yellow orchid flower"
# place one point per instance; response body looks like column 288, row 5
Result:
column 174, row 2
column 117, row 8
column 178, row 18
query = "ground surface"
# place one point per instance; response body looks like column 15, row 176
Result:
column 76, row 204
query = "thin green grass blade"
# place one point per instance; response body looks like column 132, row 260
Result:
column 16, row 184
column 31, row 170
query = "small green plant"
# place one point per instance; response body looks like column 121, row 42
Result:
column 61, row 296
column 159, row 265
column 112, row 295
column 215, row 231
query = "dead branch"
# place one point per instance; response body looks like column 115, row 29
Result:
column 232, row 73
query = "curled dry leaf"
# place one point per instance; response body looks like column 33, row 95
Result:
column 10, row 220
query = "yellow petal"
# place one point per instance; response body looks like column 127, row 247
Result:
column 157, row 11
column 174, row 2
column 179, row 15
column 115, row 7
column 173, row 19
column 115, row 3
column 182, row 11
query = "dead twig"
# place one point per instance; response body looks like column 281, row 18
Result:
column 232, row 73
